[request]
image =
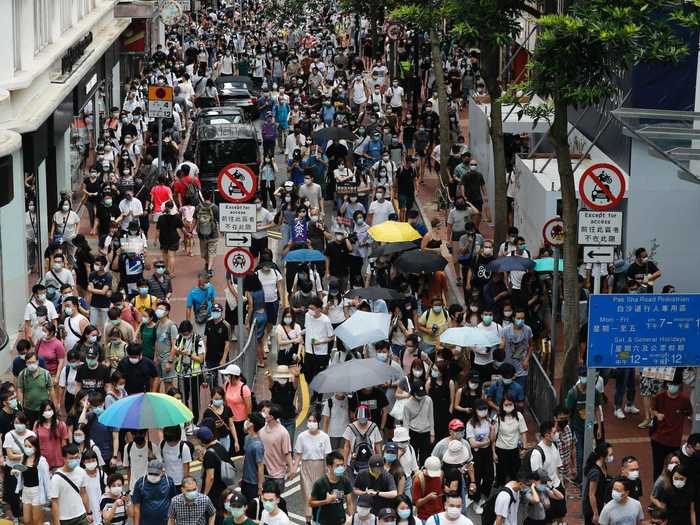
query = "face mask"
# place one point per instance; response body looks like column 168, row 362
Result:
column 191, row 495
column 507, row 381
column 160, row 314
column 48, row 414
column 57, row 267
column 143, row 291
column 41, row 297
column 555, row 436
column 20, row 427
column 473, row 308
column 482, row 413
column 459, row 434
column 487, row 319
column 32, row 367
column 78, row 438
column 379, row 196
column 437, row 309
column 108, row 202
column 312, row 425
column 522, row 247
column 508, row 313
column 453, row 512
column 282, row 380
column 583, row 380
column 216, row 315
column 65, row 208
column 269, row 506
column 91, row 466
column 117, row 491
column 287, row 198
column 508, row 408
column 390, row 458
column 519, row 322
column 98, row 410
column 609, row 459
column 339, row 237
column 115, row 322
column 363, row 512
column 362, row 420
column 339, row 471
column 133, row 360
column 418, row 373
column 674, row 389
column 287, row 320
column 91, row 362
column 217, row 402
column 473, row 385
column 72, row 463
column 679, row 483
column 488, row 252
column 237, row 512
column 382, row 357
column 152, row 478
column 617, row 495
column 633, row 475
column 404, row 514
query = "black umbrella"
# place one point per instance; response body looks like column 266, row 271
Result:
column 393, row 247
column 322, row 136
column 510, row 263
column 417, row 261
column 375, row 293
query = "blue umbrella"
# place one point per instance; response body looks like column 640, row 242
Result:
column 304, row 255
column 546, row 264
column 510, row 263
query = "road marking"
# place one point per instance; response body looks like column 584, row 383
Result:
column 296, row 517
column 304, row 387
column 296, row 488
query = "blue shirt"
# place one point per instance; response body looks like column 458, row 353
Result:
column 374, row 149
column 197, row 296
column 154, row 499
column 281, row 113
column 318, row 169
column 420, row 228
column 495, row 392
column 297, row 174
column 253, row 454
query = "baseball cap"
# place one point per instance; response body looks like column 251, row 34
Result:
column 418, row 389
column 204, row 434
column 456, row 424
column 376, row 461
column 289, row 184
column 391, row 448
column 216, row 307
column 432, row 467
column 231, row 370
column 365, row 500
column 155, row 466
column 237, row 500
column 386, row 512
column 92, row 353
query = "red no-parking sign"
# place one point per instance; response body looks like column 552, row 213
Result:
column 237, row 183
column 602, row 187
column 553, row 231
column 239, row 262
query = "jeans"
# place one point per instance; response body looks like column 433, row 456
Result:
column 579, row 452
column 522, row 381
column 98, row 316
column 290, row 425
column 624, row 382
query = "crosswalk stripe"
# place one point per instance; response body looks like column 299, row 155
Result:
column 296, row 517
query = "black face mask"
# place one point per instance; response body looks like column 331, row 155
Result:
column 139, row 440
column 562, row 423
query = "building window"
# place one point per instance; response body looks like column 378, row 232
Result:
column 16, row 35
column 42, row 23
column 66, row 15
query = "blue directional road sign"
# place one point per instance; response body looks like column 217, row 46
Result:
column 643, row 330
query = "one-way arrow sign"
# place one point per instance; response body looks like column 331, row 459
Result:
column 598, row 254
column 234, row 240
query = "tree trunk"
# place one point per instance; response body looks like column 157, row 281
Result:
column 442, row 104
column 374, row 28
column 490, row 66
column 558, row 135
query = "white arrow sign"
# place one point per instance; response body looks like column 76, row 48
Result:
column 598, row 254
column 233, row 240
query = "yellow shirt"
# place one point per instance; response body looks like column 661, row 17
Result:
column 431, row 318
column 143, row 302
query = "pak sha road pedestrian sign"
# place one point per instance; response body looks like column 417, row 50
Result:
column 239, row 262
column 602, row 187
column 643, row 330
column 237, row 183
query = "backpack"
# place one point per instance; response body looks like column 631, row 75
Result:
column 253, row 399
column 489, row 514
column 192, row 193
column 182, row 446
column 205, row 221
column 226, row 470
column 362, row 448
column 527, row 464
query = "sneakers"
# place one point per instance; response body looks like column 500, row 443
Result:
column 631, row 409
column 645, row 423
column 619, row 414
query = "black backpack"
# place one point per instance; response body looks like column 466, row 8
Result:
column 362, row 449
column 489, row 514
column 527, row 464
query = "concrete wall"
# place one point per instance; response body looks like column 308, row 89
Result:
column 664, row 211
column 533, row 205
column 481, row 148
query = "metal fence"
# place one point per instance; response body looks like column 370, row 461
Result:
column 541, row 395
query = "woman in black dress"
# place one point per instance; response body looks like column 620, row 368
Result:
column 441, row 390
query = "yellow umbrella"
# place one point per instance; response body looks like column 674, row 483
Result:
column 393, row 231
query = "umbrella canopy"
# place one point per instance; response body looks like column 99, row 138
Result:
column 510, row 263
column 304, row 255
column 363, row 328
column 149, row 410
column 546, row 264
column 468, row 336
column 393, row 247
column 375, row 293
column 393, row 231
column 420, row 261
column 353, row 375
column 322, row 136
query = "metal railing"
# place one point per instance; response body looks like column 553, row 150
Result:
column 541, row 396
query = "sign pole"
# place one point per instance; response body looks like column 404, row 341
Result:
column 590, row 384
column 160, row 145
column 242, row 336
column 696, row 402
column 555, row 308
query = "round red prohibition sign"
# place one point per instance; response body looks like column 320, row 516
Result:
column 553, row 231
column 239, row 262
column 237, row 183
column 602, row 187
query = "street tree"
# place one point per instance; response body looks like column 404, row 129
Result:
column 578, row 61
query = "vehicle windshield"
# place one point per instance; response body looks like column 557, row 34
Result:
column 218, row 153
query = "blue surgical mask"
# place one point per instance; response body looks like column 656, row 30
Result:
column 236, row 512
column 487, row 319
column 437, row 309
column 160, row 270
column 191, row 495
column 519, row 322
column 73, row 463
column 13, row 404
column 382, row 357
column 674, row 389
column 390, row 458
column 143, row 291
column 339, row 471
column 216, row 315
column 269, row 506
column 404, row 514
column 92, row 338
column 98, row 410
column 217, row 402
column 583, row 380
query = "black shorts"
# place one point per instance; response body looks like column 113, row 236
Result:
column 170, row 247
column 258, row 245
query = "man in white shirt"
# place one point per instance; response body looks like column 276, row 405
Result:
column 131, row 209
column 483, row 355
column 319, row 332
column 546, row 456
column 69, row 498
column 59, row 272
column 39, row 310
column 396, row 93
column 270, row 500
column 452, row 514
column 335, row 418
column 381, row 208
column 508, row 501
column 294, row 141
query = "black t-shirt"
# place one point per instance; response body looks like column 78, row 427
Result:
column 283, row 395
column 333, row 513
column 99, row 282
column 212, row 460
column 6, row 422
column 375, row 400
column 452, row 473
column 105, row 216
column 472, row 182
column 167, row 228
column 384, row 483
column 637, row 272
column 405, row 181
column 218, row 423
column 480, row 275
column 217, row 333
column 93, row 187
column 339, row 257
column 138, row 376
column 92, row 380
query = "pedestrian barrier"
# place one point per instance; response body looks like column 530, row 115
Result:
column 541, row 395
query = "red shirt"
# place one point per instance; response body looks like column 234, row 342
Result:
column 51, row 444
column 159, row 195
column 437, row 287
column 669, row 432
column 431, row 507
column 180, row 186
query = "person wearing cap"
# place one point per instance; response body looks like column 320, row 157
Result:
column 161, row 281
column 376, row 482
column 214, row 455
column 504, row 384
column 139, row 371
column 418, row 418
column 387, row 516
column 191, row 507
column 575, row 403
column 200, row 299
column 363, row 514
column 239, row 399
column 152, row 494
column 427, row 488
column 406, row 455
column 235, row 506
column 217, row 338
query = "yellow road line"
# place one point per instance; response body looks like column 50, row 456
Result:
column 304, row 388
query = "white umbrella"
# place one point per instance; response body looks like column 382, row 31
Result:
column 468, row 336
column 353, row 375
column 363, row 328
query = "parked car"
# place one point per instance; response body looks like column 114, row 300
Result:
column 240, row 92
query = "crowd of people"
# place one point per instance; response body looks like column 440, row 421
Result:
column 446, row 443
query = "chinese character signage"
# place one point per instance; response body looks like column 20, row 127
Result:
column 644, row 330
column 299, row 231
column 237, row 218
column 600, row 227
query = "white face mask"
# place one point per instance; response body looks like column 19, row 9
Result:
column 679, row 483
column 312, row 425
column 482, row 413
column 117, row 491
column 453, row 512
column 48, row 414
column 633, row 475
column 363, row 512
column 508, row 408
column 91, row 466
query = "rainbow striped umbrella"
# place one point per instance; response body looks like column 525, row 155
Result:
column 149, row 410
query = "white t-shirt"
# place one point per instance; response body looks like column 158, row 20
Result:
column 94, row 492
column 131, row 209
column 312, row 446
column 64, row 275
column 551, row 464
column 66, row 379
column 172, row 461
column 320, row 328
column 338, row 416
column 137, row 459
column 396, row 94
column 380, row 211
column 36, row 321
column 280, row 519
column 335, row 309
column 374, row 437
column 11, row 442
column 509, row 430
column 484, row 355
column 444, row 520
column 263, row 217
column 70, row 503
column 505, row 509
column 269, row 282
